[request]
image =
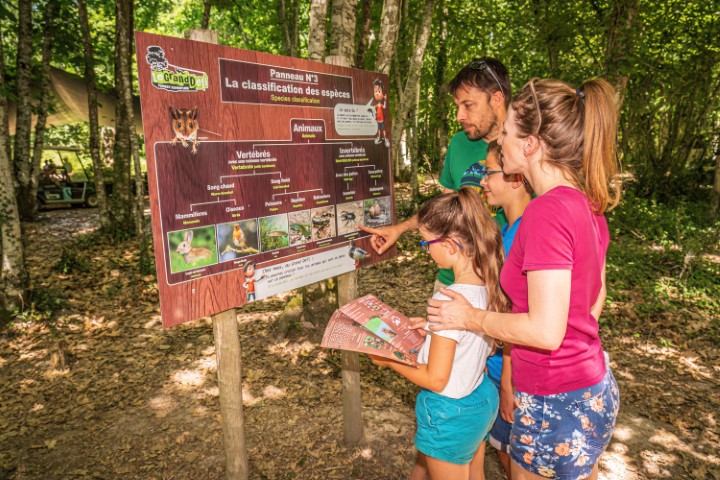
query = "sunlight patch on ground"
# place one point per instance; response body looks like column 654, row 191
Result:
column 162, row 405
column 272, row 392
column 189, row 379
column 292, row 350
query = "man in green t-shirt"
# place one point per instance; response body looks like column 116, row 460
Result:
column 481, row 91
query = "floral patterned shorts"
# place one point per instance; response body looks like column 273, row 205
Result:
column 563, row 435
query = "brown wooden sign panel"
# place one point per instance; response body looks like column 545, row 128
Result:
column 260, row 169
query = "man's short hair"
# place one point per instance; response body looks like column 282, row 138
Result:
column 487, row 74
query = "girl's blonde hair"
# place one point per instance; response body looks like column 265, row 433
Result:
column 579, row 130
column 462, row 216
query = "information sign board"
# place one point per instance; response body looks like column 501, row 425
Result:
column 260, row 170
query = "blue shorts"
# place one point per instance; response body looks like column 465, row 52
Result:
column 500, row 431
column 563, row 435
column 451, row 429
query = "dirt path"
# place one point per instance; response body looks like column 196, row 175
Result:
column 101, row 391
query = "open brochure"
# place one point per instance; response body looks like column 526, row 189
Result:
column 367, row 325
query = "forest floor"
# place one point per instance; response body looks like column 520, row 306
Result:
column 92, row 386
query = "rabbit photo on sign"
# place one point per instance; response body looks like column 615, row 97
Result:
column 185, row 126
column 192, row 254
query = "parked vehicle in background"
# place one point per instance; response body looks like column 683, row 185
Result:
column 64, row 179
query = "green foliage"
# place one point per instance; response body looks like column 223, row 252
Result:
column 664, row 261
column 72, row 260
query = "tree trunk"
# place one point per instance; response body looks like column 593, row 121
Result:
column 389, row 30
column 316, row 33
column 342, row 37
column 98, row 165
column 23, row 122
column 619, row 44
column 715, row 204
column 363, row 40
column 125, row 53
column 412, row 82
column 121, row 200
column 438, row 123
column 288, row 18
column 42, row 108
column 207, row 8
column 13, row 277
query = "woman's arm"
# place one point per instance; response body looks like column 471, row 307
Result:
column 433, row 376
column 507, row 400
column 542, row 327
column 597, row 307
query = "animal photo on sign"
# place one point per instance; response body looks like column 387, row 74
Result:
column 377, row 211
column 237, row 239
column 191, row 249
column 273, row 232
column 350, row 216
column 323, row 222
column 185, row 126
column 300, row 227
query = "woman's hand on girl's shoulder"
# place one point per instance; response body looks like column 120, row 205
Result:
column 450, row 314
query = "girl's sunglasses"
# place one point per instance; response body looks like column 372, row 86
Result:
column 425, row 244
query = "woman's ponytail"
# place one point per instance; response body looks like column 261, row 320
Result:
column 599, row 161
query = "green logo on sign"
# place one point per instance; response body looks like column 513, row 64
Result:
column 166, row 76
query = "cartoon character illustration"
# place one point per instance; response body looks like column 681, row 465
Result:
column 379, row 102
column 192, row 254
column 250, row 280
column 184, row 122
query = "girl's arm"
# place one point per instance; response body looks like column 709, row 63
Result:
column 543, row 327
column 433, row 376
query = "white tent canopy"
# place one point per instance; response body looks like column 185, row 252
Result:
column 70, row 103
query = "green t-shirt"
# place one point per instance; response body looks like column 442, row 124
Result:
column 461, row 169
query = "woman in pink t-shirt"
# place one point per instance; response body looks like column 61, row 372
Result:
column 562, row 140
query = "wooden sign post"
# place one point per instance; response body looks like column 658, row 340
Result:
column 347, row 286
column 229, row 366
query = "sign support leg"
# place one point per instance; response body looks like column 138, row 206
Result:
column 352, row 403
column 227, row 351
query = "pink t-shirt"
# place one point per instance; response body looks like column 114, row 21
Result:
column 559, row 231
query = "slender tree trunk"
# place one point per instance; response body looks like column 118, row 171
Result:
column 438, row 123
column 288, row 12
column 414, row 147
column 98, row 165
column 22, row 159
column 207, row 8
column 363, row 40
column 412, row 82
column 389, row 30
column 619, row 46
column 715, row 203
column 316, row 34
column 121, row 200
column 13, row 276
column 342, row 37
column 126, row 99
column 42, row 107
